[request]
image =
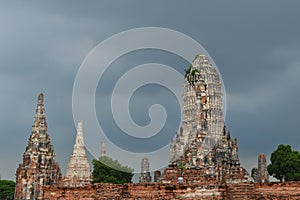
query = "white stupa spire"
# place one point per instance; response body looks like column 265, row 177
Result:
column 79, row 170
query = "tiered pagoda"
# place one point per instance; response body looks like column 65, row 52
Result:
column 39, row 167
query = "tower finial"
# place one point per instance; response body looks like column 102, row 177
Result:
column 79, row 135
column 40, row 118
column 41, row 99
column 103, row 149
column 79, row 126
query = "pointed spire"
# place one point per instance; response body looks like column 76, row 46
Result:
column 39, row 167
column 79, row 148
column 103, row 149
column 79, row 170
column 79, row 136
column 40, row 117
column 41, row 99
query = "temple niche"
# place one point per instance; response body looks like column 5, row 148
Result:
column 39, row 167
column 203, row 143
column 78, row 171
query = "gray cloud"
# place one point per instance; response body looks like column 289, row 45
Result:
column 255, row 45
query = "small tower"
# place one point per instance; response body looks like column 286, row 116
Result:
column 145, row 171
column 263, row 176
column 260, row 173
column 103, row 149
column 39, row 167
column 79, row 170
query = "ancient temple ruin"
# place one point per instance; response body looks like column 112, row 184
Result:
column 204, row 161
column 254, row 174
column 260, row 173
column 78, row 171
column 145, row 176
column 263, row 175
column 203, row 148
column 39, row 167
column 202, row 114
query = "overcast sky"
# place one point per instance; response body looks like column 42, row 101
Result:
column 255, row 44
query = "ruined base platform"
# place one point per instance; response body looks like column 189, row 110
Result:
column 236, row 191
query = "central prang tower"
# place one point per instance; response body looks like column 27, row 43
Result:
column 203, row 144
column 202, row 113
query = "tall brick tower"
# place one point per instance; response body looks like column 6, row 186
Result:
column 39, row 167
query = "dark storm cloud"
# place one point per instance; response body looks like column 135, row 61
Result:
column 255, row 44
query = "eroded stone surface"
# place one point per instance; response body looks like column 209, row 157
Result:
column 203, row 142
column 39, row 167
column 208, row 191
column 202, row 113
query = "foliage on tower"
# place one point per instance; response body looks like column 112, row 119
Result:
column 191, row 75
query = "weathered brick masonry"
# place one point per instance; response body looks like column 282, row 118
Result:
column 245, row 191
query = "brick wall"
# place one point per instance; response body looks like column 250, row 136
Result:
column 282, row 191
column 210, row 191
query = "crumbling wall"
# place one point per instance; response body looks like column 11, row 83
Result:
column 282, row 191
column 135, row 191
column 229, row 191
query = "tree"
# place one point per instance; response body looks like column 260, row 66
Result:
column 292, row 166
column 285, row 164
column 7, row 189
column 107, row 170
